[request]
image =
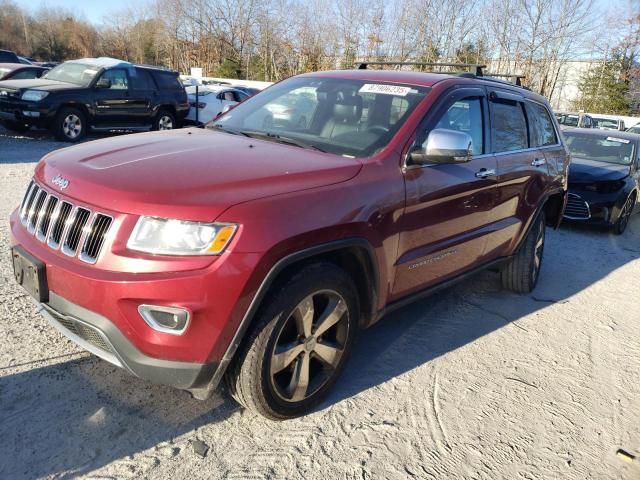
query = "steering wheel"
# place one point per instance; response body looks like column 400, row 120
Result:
column 378, row 129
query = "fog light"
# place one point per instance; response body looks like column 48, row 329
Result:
column 165, row 319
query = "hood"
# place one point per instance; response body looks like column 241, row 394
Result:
column 582, row 170
column 190, row 174
column 39, row 83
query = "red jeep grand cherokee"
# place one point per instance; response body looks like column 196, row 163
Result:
column 255, row 249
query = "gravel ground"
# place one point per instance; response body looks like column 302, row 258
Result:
column 473, row 383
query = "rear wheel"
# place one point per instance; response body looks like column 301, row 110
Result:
column 625, row 214
column 69, row 125
column 521, row 273
column 164, row 121
column 299, row 345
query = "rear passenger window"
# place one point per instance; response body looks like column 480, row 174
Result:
column 141, row 79
column 542, row 131
column 25, row 75
column 465, row 116
column 168, row 81
column 509, row 127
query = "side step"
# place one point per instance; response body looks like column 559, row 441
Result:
column 125, row 128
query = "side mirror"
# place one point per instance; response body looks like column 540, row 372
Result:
column 444, row 146
column 103, row 83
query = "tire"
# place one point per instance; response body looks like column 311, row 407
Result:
column 165, row 120
column 17, row 127
column 625, row 214
column 521, row 273
column 70, row 125
column 272, row 384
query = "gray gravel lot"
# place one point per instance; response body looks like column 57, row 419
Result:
column 473, row 383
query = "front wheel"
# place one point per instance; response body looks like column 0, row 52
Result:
column 70, row 125
column 299, row 345
column 521, row 273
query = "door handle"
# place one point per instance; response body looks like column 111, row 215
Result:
column 538, row 162
column 484, row 173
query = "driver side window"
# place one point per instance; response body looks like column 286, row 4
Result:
column 465, row 116
column 118, row 78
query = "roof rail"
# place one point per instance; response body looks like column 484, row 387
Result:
column 155, row 67
column 473, row 68
column 511, row 78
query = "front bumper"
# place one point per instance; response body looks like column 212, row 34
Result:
column 592, row 207
column 97, row 306
column 99, row 336
column 37, row 114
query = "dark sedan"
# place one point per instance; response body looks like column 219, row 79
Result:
column 20, row 71
column 603, row 176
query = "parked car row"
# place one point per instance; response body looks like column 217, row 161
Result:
column 105, row 94
column 586, row 120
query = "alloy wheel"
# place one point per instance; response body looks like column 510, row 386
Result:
column 165, row 122
column 72, row 126
column 309, row 346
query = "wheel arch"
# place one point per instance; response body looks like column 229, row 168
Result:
column 554, row 205
column 355, row 255
column 77, row 105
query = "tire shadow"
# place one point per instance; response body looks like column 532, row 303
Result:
column 575, row 257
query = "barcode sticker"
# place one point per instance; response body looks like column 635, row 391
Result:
column 385, row 89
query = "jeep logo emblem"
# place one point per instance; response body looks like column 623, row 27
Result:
column 60, row 182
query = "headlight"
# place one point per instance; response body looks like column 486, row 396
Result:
column 176, row 237
column 34, row 95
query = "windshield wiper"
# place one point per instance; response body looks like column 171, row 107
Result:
column 280, row 139
column 226, row 130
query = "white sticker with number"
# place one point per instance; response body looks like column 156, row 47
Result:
column 385, row 89
column 614, row 139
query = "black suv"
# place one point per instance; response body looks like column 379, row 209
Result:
column 95, row 93
column 7, row 56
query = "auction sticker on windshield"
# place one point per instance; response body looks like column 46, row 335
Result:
column 385, row 89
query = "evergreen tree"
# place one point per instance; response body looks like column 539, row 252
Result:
column 605, row 88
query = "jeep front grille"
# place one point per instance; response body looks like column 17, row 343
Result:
column 76, row 231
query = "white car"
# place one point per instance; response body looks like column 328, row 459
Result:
column 608, row 123
column 211, row 101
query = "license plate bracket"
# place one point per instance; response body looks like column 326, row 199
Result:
column 30, row 273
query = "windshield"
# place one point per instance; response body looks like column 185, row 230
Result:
column 71, row 72
column 347, row 117
column 602, row 149
column 568, row 120
column 605, row 123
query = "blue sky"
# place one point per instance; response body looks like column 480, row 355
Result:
column 96, row 10
column 92, row 10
